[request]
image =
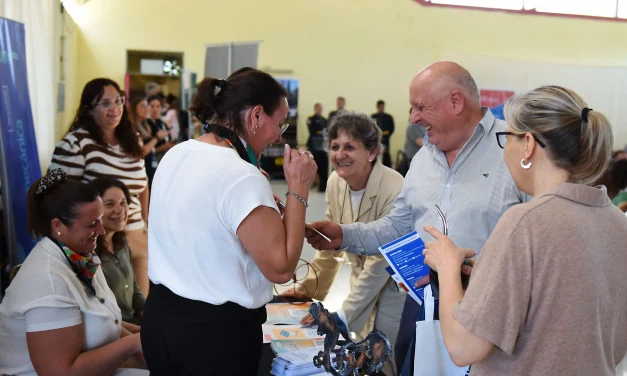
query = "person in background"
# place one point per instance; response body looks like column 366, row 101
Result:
column 618, row 155
column 156, row 125
column 114, row 252
column 139, row 118
column 102, row 143
column 528, row 307
column 414, row 139
column 385, row 121
column 618, row 176
column 614, row 179
column 58, row 316
column 152, row 88
column 460, row 168
column 217, row 239
column 340, row 102
column 197, row 128
column 172, row 116
column 360, row 189
column 316, row 124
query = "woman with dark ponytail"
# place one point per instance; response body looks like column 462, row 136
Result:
column 59, row 317
column 217, row 239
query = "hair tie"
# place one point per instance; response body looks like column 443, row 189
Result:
column 584, row 114
column 219, row 86
column 51, row 179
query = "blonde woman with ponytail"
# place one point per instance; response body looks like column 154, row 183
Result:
column 548, row 296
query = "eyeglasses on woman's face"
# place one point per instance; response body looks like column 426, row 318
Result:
column 501, row 138
column 282, row 123
column 107, row 103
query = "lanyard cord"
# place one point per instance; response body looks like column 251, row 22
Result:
column 356, row 216
column 233, row 140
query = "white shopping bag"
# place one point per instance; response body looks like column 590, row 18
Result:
column 430, row 356
column 621, row 370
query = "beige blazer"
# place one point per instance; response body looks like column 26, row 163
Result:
column 368, row 276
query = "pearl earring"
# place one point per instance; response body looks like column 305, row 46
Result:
column 255, row 130
column 525, row 166
column 369, row 160
column 59, row 233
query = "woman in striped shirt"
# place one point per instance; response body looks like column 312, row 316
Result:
column 101, row 143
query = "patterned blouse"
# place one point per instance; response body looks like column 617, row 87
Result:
column 83, row 159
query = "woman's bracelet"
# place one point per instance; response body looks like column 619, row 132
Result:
column 298, row 197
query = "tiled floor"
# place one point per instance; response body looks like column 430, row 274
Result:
column 315, row 212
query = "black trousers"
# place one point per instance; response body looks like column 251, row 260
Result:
column 187, row 337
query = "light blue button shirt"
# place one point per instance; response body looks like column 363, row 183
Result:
column 473, row 193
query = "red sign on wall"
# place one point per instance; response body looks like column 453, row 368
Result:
column 492, row 98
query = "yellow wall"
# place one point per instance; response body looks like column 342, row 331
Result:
column 362, row 49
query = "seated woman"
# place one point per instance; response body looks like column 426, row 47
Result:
column 114, row 252
column 547, row 295
column 360, row 189
column 58, row 316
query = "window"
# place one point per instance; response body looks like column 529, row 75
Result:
column 611, row 9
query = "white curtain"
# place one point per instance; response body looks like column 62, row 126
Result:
column 38, row 19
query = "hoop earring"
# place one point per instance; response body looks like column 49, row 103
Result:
column 523, row 165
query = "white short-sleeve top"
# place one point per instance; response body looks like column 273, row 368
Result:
column 200, row 195
column 46, row 294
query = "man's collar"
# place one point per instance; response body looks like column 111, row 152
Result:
column 488, row 120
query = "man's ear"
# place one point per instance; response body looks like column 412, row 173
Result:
column 457, row 101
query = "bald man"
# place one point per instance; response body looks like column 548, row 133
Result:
column 460, row 168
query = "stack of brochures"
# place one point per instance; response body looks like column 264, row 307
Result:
column 297, row 363
column 283, row 346
column 286, row 313
column 294, row 345
column 288, row 332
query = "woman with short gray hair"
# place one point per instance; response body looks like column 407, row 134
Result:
column 360, row 189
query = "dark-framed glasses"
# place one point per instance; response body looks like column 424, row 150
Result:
column 501, row 138
column 107, row 103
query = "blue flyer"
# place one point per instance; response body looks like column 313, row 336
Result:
column 399, row 281
column 405, row 257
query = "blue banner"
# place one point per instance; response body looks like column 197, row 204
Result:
column 498, row 111
column 19, row 152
